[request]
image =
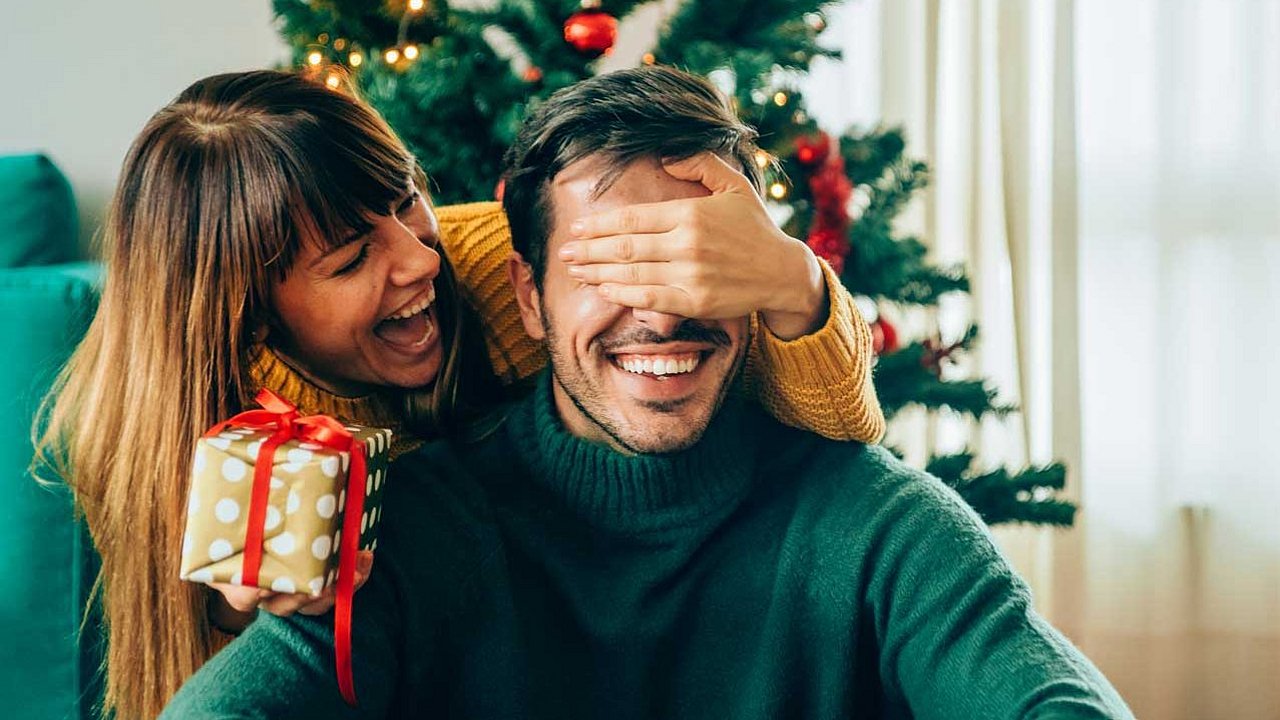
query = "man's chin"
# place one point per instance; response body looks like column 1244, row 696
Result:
column 652, row 433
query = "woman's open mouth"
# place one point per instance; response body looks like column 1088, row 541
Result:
column 412, row 327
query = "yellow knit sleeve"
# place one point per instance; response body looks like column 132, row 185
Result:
column 477, row 242
column 819, row 382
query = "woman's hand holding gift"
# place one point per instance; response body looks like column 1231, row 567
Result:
column 713, row 257
column 233, row 608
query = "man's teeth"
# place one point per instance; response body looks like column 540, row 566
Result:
column 415, row 308
column 660, row 366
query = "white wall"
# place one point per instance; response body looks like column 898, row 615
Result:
column 83, row 76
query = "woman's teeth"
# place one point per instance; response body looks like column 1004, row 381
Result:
column 659, row 366
column 416, row 308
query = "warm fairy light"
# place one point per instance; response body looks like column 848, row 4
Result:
column 648, row 59
column 314, row 57
column 762, row 159
column 355, row 59
column 333, row 81
column 323, row 38
column 392, row 55
column 411, row 52
column 339, row 44
column 779, row 98
column 777, row 191
column 416, row 5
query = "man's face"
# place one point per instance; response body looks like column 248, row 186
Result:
column 638, row 380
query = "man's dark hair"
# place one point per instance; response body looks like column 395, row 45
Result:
column 621, row 117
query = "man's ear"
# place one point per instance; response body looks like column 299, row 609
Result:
column 521, row 276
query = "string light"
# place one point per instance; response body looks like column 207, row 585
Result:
column 777, row 191
column 648, row 59
column 355, row 59
column 416, row 5
column 392, row 55
column 332, row 81
column 339, row 44
column 762, row 159
column 779, row 98
column 314, row 57
column 411, row 52
column 323, row 38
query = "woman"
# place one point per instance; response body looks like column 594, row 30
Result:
column 267, row 231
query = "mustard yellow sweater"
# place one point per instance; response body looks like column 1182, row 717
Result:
column 820, row 382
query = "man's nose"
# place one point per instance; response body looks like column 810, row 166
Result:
column 665, row 324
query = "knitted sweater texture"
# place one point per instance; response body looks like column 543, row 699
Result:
column 764, row 573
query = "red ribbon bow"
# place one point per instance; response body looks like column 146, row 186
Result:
column 322, row 430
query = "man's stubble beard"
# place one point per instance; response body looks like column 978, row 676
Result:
column 578, row 388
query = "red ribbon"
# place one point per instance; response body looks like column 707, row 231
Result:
column 322, row 430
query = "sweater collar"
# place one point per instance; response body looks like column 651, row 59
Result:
column 268, row 370
column 633, row 492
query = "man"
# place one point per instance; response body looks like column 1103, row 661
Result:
column 634, row 540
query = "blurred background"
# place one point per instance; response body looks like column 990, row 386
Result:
column 1094, row 186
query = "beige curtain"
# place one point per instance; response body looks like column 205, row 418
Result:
column 1110, row 174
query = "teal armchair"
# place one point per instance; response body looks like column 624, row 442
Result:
column 49, row 668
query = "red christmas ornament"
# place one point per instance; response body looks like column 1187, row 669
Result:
column 591, row 31
column 533, row 74
column 813, row 149
column 884, row 337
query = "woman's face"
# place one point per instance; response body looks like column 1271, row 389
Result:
column 362, row 316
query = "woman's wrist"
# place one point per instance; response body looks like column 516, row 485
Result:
column 226, row 618
column 805, row 308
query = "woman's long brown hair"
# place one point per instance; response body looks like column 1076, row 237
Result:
column 205, row 216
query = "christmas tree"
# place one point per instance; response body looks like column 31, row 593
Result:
column 455, row 82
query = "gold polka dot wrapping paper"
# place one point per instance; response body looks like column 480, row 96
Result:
column 301, row 531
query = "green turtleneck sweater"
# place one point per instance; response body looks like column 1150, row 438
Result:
column 765, row 573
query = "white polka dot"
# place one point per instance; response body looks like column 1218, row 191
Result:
column 200, row 462
column 293, row 503
column 352, row 429
column 316, row 585
column 234, row 469
column 298, row 456
column 273, row 518
column 242, row 431
column 283, row 585
column 326, row 505
column 229, row 435
column 322, row 547
column 333, row 574
column 203, row 575
column 329, row 466
column 186, row 546
column 374, row 546
column 342, row 501
column 377, row 479
column 236, row 578
column 227, row 510
column 276, row 483
column 368, row 486
column 283, row 544
column 346, row 461
column 219, row 549
column 337, row 541
column 253, row 449
column 193, row 505
column 310, row 446
column 373, row 516
column 364, row 522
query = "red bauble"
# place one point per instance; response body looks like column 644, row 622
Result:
column 532, row 74
column 884, row 337
column 813, row 149
column 591, row 31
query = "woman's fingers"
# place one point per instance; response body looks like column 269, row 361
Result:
column 711, row 171
column 641, row 219
column 659, row 298
column 656, row 247
column 241, row 599
column 657, row 273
